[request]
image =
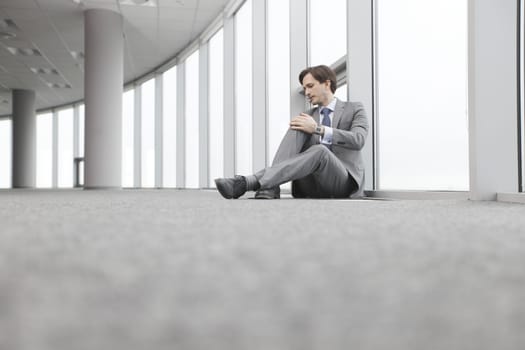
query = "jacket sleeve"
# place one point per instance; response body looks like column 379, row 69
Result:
column 352, row 136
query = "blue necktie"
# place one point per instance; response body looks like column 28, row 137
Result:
column 326, row 121
column 326, row 116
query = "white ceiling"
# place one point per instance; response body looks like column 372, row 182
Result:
column 154, row 33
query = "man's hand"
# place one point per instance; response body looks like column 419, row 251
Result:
column 303, row 122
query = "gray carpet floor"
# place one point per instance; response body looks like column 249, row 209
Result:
column 173, row 269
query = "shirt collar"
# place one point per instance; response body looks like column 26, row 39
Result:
column 331, row 105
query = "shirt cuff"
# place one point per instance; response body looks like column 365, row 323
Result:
column 327, row 137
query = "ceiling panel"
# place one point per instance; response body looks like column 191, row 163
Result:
column 153, row 35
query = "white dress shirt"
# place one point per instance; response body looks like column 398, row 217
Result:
column 328, row 130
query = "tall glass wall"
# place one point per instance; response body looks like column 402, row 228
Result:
column 216, row 107
column 44, row 150
column 81, row 130
column 341, row 92
column 65, row 148
column 128, row 108
column 522, row 91
column 6, row 127
column 327, row 27
column 422, row 94
column 148, row 133
column 192, row 121
column 243, row 90
column 278, row 22
column 80, row 139
column 169, row 128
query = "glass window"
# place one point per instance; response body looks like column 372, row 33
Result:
column 169, row 128
column 148, row 133
column 44, row 150
column 278, row 73
column 65, row 148
column 81, row 130
column 5, row 153
column 327, row 28
column 128, row 108
column 243, row 90
column 422, row 94
column 341, row 92
column 522, row 88
column 192, row 121
column 216, row 121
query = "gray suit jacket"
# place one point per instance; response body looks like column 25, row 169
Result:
column 350, row 126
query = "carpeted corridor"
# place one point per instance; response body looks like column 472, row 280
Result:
column 186, row 269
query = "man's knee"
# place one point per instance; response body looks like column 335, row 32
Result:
column 319, row 150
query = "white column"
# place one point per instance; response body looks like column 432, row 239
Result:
column 493, row 112
column 360, row 73
column 103, row 87
column 24, row 139
column 259, row 83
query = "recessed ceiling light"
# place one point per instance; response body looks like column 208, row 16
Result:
column 78, row 55
column 24, row 51
column 139, row 2
column 58, row 85
column 44, row 71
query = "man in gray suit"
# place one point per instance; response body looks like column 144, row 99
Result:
column 320, row 153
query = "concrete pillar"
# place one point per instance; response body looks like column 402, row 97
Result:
column 493, row 98
column 24, row 139
column 229, row 96
column 360, row 76
column 103, row 87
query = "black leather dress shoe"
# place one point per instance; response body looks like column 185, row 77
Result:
column 272, row 193
column 231, row 187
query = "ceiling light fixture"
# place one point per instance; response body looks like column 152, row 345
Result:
column 58, row 85
column 78, row 55
column 23, row 51
column 49, row 71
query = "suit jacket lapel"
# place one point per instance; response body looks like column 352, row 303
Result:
column 339, row 108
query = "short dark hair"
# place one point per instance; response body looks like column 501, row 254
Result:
column 321, row 74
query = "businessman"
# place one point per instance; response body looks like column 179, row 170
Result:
column 321, row 151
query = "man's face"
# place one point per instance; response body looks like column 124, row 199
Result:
column 316, row 92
